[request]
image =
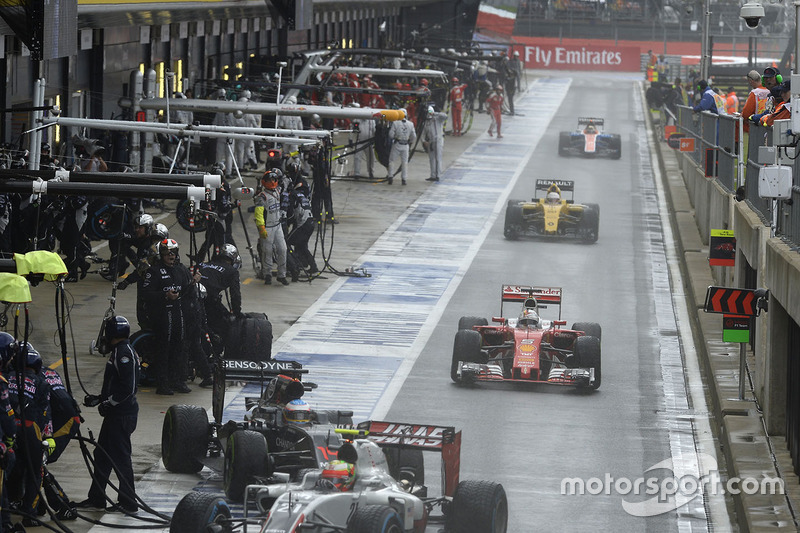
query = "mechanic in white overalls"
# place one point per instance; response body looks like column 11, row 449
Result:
column 433, row 137
column 365, row 154
column 270, row 230
column 290, row 122
column 402, row 135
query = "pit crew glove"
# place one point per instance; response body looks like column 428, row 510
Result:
column 91, row 400
column 104, row 408
column 122, row 285
column 50, row 445
column 262, row 232
column 4, row 451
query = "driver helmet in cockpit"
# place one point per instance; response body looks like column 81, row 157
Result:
column 590, row 128
column 553, row 197
column 528, row 318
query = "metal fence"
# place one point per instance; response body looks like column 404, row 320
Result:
column 715, row 148
column 716, row 153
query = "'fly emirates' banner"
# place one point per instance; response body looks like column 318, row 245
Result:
column 574, row 57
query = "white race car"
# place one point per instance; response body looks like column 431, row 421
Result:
column 374, row 503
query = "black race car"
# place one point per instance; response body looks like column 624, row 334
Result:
column 589, row 140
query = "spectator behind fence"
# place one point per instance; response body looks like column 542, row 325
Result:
column 756, row 102
column 783, row 108
column 710, row 100
column 731, row 102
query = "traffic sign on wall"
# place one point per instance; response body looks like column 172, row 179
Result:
column 722, row 248
column 735, row 328
column 733, row 301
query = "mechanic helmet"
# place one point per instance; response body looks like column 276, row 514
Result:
column 168, row 246
column 528, row 318
column 145, row 221
column 291, row 99
column 316, row 119
column 297, row 412
column 431, row 110
column 424, row 81
column 32, row 358
column 553, row 197
column 353, row 76
column 117, row 327
column 45, row 148
column 454, row 80
column 498, row 88
column 229, row 251
column 270, row 179
column 246, row 94
column 161, row 232
column 8, row 347
column 220, row 94
column 404, row 112
column 354, row 104
column 340, row 473
column 516, row 53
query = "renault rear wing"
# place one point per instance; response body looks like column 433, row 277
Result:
column 519, row 293
column 443, row 439
column 563, row 186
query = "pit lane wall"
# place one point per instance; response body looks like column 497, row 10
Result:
column 700, row 204
column 546, row 54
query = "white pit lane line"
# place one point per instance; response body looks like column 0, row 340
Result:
column 683, row 384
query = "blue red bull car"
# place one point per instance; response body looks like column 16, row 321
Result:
column 589, row 140
column 528, row 348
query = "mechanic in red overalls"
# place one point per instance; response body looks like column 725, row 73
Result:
column 456, row 98
column 494, row 103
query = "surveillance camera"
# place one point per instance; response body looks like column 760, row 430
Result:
column 752, row 13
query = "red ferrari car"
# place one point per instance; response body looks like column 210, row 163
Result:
column 528, row 348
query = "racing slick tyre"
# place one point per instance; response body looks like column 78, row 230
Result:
column 563, row 143
column 587, row 353
column 478, row 507
column 184, row 438
column 246, row 458
column 616, row 145
column 513, row 221
column 591, row 329
column 466, row 322
column 191, row 223
column 375, row 519
column 198, row 510
column 405, row 463
column 466, row 348
column 590, row 223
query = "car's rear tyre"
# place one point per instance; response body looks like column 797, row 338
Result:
column 467, row 322
column 564, row 140
column 591, row 329
column 467, row 348
column 403, row 462
column 587, row 353
column 590, row 223
column 616, row 145
column 375, row 519
column 245, row 460
column 184, row 438
column 196, row 511
column 513, row 224
column 479, row 507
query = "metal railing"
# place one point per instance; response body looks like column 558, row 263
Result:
column 715, row 147
column 717, row 154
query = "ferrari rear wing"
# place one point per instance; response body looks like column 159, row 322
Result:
column 582, row 121
column 519, row 293
column 443, row 439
